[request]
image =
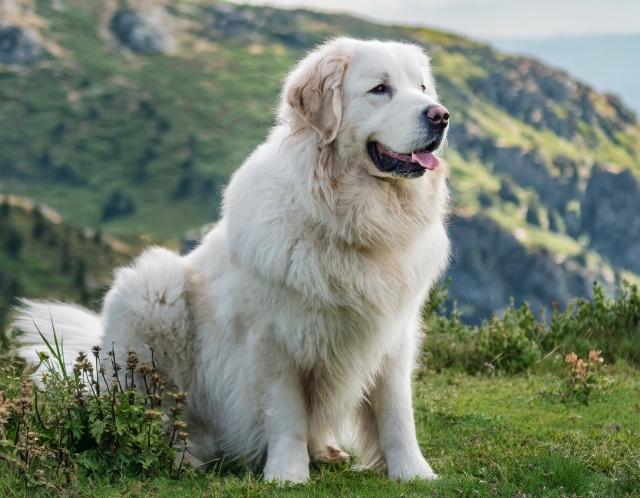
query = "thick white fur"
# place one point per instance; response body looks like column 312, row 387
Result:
column 294, row 325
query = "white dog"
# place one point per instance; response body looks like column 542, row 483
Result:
column 294, row 324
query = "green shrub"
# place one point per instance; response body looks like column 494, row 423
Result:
column 508, row 344
column 610, row 326
column 517, row 341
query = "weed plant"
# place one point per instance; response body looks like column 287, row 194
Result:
column 584, row 378
column 99, row 420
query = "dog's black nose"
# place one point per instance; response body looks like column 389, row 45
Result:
column 437, row 114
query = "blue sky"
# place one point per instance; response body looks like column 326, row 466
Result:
column 492, row 19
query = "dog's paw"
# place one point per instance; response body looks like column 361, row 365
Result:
column 413, row 470
column 287, row 467
column 286, row 476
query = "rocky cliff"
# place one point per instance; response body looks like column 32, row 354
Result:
column 490, row 267
column 611, row 216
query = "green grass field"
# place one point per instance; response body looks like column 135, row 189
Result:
column 485, row 436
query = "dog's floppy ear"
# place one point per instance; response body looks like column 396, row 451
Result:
column 314, row 91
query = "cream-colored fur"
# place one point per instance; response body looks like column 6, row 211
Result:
column 294, row 324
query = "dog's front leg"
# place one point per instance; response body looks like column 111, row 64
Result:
column 394, row 415
column 286, row 422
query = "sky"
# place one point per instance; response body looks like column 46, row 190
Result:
column 491, row 19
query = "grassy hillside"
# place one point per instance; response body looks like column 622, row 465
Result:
column 93, row 122
column 41, row 257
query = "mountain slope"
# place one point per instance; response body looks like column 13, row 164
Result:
column 42, row 257
column 131, row 116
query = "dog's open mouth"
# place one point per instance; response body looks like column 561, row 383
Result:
column 411, row 165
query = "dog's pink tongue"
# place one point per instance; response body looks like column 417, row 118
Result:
column 425, row 159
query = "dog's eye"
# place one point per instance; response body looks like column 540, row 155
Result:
column 423, row 88
column 382, row 88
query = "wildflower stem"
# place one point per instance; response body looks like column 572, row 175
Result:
column 35, row 393
column 59, row 440
column 106, row 383
column 146, row 387
column 113, row 410
column 171, row 439
column 15, row 441
column 184, row 452
column 115, row 366
column 96, row 394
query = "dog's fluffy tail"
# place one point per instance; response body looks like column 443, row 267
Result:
column 76, row 329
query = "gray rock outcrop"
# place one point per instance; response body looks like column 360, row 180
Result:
column 139, row 33
column 529, row 169
column 610, row 215
column 18, row 47
column 235, row 22
column 526, row 168
column 257, row 25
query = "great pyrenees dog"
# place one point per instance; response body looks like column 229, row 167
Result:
column 295, row 323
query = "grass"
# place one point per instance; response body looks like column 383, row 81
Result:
column 485, row 436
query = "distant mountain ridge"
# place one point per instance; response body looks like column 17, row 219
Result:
column 609, row 62
column 133, row 115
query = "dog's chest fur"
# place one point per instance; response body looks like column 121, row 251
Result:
column 356, row 299
column 331, row 299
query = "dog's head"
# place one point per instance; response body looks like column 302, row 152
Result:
column 373, row 100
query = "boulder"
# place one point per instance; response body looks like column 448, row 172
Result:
column 532, row 216
column 572, row 224
column 117, row 206
column 507, row 193
column 18, row 46
column 139, row 33
column 235, row 22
